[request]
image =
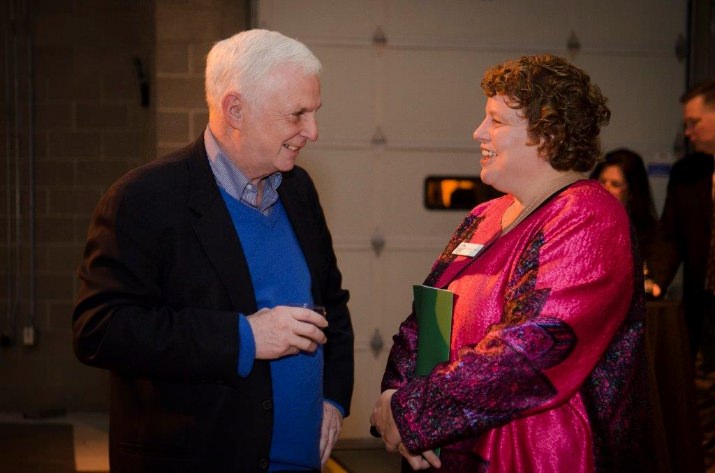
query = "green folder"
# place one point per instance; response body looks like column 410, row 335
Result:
column 433, row 308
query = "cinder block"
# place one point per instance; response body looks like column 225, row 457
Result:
column 59, row 312
column 172, row 127
column 50, row 229
column 199, row 120
column 73, row 145
column 54, row 286
column 172, row 57
column 81, row 226
column 181, row 92
column 198, row 53
column 50, row 61
column 59, row 257
column 121, row 144
column 73, row 201
column 80, row 85
column 93, row 173
column 55, row 173
column 100, row 116
column 180, row 24
column 54, row 116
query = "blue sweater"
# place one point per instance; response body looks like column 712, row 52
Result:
column 280, row 276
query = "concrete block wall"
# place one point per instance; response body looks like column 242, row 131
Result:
column 185, row 32
column 77, row 83
column 90, row 127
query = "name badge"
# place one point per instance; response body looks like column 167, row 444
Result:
column 468, row 249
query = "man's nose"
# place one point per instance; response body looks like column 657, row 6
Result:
column 310, row 130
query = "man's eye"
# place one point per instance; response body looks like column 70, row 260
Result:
column 691, row 123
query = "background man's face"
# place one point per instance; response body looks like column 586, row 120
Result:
column 699, row 119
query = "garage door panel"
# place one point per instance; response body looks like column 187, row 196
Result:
column 346, row 117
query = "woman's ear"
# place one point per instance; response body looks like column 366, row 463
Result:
column 543, row 146
column 232, row 107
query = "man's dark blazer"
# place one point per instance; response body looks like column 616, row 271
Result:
column 162, row 281
column 684, row 234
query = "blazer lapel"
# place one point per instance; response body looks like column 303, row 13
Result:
column 216, row 233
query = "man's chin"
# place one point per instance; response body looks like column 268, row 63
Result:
column 705, row 149
column 287, row 166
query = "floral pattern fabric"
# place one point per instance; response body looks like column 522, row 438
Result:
column 547, row 370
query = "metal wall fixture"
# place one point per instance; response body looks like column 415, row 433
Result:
column 378, row 37
column 378, row 139
column 377, row 242
column 573, row 44
column 376, row 343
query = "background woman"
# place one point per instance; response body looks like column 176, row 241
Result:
column 624, row 176
column 547, row 361
column 622, row 173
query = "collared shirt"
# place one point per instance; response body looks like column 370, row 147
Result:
column 235, row 183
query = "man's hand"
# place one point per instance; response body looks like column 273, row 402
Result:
column 283, row 331
column 330, row 430
column 384, row 421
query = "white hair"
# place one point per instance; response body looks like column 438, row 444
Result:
column 241, row 63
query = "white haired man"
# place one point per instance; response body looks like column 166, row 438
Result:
column 193, row 268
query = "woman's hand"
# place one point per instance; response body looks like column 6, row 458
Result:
column 383, row 420
column 421, row 461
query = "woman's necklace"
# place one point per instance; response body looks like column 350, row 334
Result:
column 548, row 189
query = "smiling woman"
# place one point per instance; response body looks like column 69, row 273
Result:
column 546, row 370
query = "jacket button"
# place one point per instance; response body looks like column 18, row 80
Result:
column 263, row 463
column 267, row 405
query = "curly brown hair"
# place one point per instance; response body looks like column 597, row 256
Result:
column 564, row 109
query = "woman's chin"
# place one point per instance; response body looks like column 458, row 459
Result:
column 486, row 177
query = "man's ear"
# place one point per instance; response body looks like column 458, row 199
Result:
column 232, row 107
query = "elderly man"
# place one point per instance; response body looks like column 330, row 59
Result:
column 686, row 230
column 194, row 272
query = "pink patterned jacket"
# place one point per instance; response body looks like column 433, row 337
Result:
column 547, row 371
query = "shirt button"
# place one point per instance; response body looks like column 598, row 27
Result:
column 263, row 463
column 267, row 405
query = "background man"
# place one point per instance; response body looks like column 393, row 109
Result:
column 190, row 268
column 686, row 223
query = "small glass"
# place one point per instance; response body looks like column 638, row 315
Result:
column 315, row 308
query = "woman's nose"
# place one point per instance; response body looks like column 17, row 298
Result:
column 480, row 133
